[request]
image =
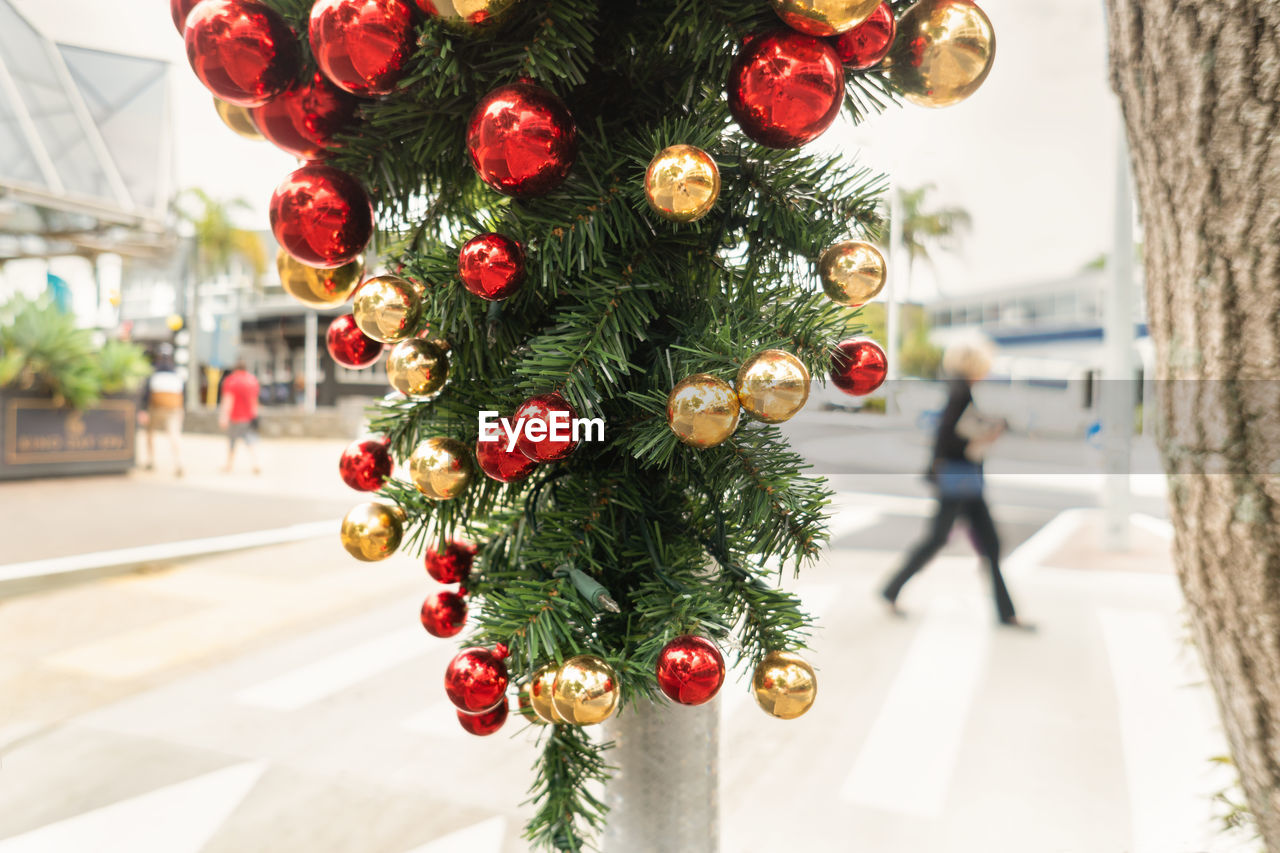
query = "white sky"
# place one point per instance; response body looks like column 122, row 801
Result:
column 1031, row 155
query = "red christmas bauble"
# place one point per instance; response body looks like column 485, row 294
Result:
column 241, row 50
column 476, row 680
column 179, row 9
column 522, row 140
column 498, row 463
column 869, row 42
column 366, row 464
column 785, row 89
column 362, row 45
column 304, row 120
column 453, row 564
column 444, row 613
column 349, row 346
column 859, row 366
column 556, row 416
column 486, row 723
column 492, row 266
column 690, row 670
column 321, row 216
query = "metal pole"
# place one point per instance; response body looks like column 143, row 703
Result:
column 664, row 797
column 1119, row 398
column 310, row 354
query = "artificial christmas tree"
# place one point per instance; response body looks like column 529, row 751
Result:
column 595, row 213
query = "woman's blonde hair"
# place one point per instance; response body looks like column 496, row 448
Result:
column 969, row 358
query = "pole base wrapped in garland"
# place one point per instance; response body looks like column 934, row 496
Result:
column 595, row 253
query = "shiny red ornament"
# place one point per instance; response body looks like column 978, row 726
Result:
column 690, row 670
column 321, row 216
column 498, row 463
column 476, row 680
column 363, row 46
column 349, row 346
column 304, row 120
column 486, row 723
column 522, row 140
column 444, row 613
column 556, row 418
column 868, row 43
column 859, row 366
column 453, row 564
column 785, row 89
column 366, row 464
column 492, row 266
column 241, row 50
column 179, row 9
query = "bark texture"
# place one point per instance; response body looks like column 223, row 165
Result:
column 1199, row 81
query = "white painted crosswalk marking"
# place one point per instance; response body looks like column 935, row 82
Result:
column 178, row 818
column 905, row 765
column 327, row 676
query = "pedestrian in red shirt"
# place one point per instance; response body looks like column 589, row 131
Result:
column 239, row 412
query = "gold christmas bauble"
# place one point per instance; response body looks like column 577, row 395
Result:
column 943, row 52
column 524, row 701
column 430, row 332
column 441, row 468
column 702, row 410
column 239, row 119
column 387, row 309
column 469, row 15
column 682, row 183
column 540, row 687
column 773, row 385
column 585, row 691
column 824, row 17
column 317, row 288
column 784, row 685
column 852, row 273
column 372, row 532
column 417, row 368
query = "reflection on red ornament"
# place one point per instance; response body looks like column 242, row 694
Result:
column 498, row 463
column 241, row 50
column 349, row 346
column 179, row 9
column 476, row 680
column 859, row 366
column 785, row 89
column 304, row 120
column 492, row 266
column 522, row 140
column 452, row 564
column 321, row 216
column 690, row 670
column 868, row 43
column 366, row 464
column 486, row 723
column 444, row 613
column 552, row 418
column 363, row 46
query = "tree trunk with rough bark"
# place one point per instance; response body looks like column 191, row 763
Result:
column 1199, row 81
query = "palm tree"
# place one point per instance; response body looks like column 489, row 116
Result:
column 924, row 228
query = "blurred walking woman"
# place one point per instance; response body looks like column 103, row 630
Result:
column 956, row 472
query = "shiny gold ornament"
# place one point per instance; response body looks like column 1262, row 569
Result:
column 239, row 119
column 441, row 468
column 470, row 15
column 585, row 691
column 317, row 288
column 682, row 183
column 773, row 385
column 417, row 368
column 852, row 273
column 540, row 688
column 824, row 17
column 387, row 309
column 702, row 410
column 784, row 685
column 372, row 532
column 524, row 701
column 943, row 52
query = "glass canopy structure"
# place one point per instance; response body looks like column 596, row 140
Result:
column 86, row 148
